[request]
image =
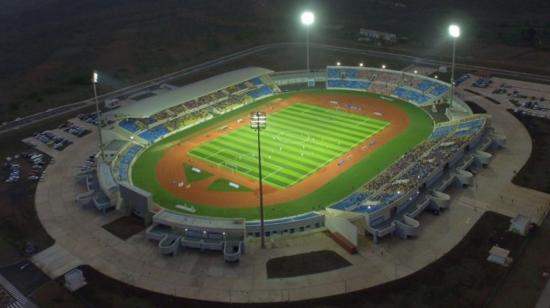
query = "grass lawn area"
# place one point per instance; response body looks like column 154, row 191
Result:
column 420, row 128
column 298, row 141
column 193, row 176
column 223, row 185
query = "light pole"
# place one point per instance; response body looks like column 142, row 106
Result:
column 454, row 32
column 258, row 121
column 307, row 19
column 98, row 115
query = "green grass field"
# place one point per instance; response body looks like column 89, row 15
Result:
column 419, row 129
column 223, row 185
column 298, row 141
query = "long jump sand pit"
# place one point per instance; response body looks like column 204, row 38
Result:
column 170, row 172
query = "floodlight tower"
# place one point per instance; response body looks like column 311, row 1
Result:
column 454, row 32
column 95, row 78
column 258, row 121
column 307, row 19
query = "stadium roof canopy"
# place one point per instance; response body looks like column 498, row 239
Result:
column 151, row 105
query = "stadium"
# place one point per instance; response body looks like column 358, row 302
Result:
column 225, row 159
column 368, row 148
column 350, row 159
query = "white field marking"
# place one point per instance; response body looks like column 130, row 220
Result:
column 230, row 164
column 334, row 157
column 214, row 154
column 308, row 140
column 273, row 173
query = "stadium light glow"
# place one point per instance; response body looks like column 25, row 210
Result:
column 307, row 18
column 454, row 31
column 94, row 77
column 258, row 121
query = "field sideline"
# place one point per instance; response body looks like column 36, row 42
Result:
column 418, row 130
column 297, row 142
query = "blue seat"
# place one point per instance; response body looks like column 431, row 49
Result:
column 349, row 201
column 343, row 73
column 411, row 96
column 154, row 133
column 439, row 89
column 260, row 92
column 125, row 161
column 256, row 81
column 348, row 84
column 424, row 85
column 129, row 125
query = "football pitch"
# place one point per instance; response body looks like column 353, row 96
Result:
column 298, row 141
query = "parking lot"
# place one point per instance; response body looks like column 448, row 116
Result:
column 13, row 171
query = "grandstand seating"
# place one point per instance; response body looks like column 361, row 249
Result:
column 349, row 201
column 411, row 95
column 260, row 92
column 366, row 208
column 343, row 73
column 441, row 132
column 463, row 129
column 348, row 84
column 406, row 175
column 256, row 81
column 469, row 127
column 125, row 161
column 413, row 88
column 424, row 85
column 154, row 133
column 439, row 89
column 129, row 124
column 187, row 112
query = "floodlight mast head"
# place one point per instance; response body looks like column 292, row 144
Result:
column 307, row 18
column 94, row 77
column 258, row 120
column 454, row 31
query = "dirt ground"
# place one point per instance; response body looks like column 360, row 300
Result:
column 305, row 264
column 535, row 174
column 170, row 167
column 125, row 227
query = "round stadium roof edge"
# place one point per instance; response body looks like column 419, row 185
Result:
column 151, row 105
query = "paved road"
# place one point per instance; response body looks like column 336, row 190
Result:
column 81, row 105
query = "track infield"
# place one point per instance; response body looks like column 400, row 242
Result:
column 399, row 126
